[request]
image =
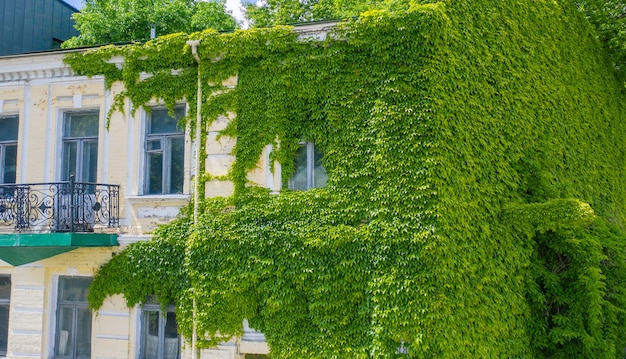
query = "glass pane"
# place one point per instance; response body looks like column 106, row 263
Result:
column 5, row 295
column 74, row 289
column 154, row 145
column 172, row 342
column 83, row 333
column 177, row 164
column 154, row 173
column 10, row 164
column 5, row 287
column 81, row 125
column 4, row 327
column 150, row 334
column 90, row 162
column 70, row 150
column 8, row 128
column 299, row 179
column 161, row 122
column 65, row 322
column 319, row 172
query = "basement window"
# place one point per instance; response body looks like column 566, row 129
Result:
column 159, row 332
column 73, row 321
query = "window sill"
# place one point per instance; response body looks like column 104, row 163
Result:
column 158, row 197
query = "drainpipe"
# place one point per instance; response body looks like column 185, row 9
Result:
column 196, row 197
column 194, row 51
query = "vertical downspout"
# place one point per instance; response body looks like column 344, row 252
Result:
column 196, row 197
column 194, row 51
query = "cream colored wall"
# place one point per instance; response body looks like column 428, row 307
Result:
column 33, row 302
column 26, row 322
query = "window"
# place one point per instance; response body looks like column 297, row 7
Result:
column 8, row 148
column 308, row 169
column 165, row 152
column 80, row 146
column 73, row 322
column 159, row 333
column 5, row 297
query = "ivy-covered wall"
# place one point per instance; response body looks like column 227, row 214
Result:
column 475, row 203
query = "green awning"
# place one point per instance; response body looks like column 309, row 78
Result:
column 21, row 248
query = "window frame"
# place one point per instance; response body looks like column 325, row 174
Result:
column 166, row 148
column 75, row 306
column 78, row 171
column 151, row 306
column 6, row 302
column 310, row 168
column 3, row 148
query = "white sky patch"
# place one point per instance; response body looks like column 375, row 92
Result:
column 78, row 4
column 236, row 8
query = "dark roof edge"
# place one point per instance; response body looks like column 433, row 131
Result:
column 85, row 48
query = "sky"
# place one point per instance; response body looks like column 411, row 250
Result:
column 233, row 5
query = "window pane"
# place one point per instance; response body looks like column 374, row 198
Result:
column 154, row 176
column 80, row 146
column 10, row 164
column 299, row 179
column 90, row 162
column 74, row 289
column 5, row 295
column 8, row 128
column 4, row 328
column 165, row 152
column 177, row 165
column 5, row 287
column 150, row 334
column 161, row 122
column 83, row 333
column 73, row 327
column 154, row 145
column 70, row 150
column 172, row 343
column 65, row 327
column 81, row 124
column 319, row 172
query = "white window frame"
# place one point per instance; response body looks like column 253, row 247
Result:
column 166, row 150
column 54, row 324
column 7, row 302
column 154, row 307
column 65, row 138
column 4, row 145
column 310, row 167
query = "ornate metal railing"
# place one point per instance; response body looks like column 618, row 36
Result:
column 59, row 206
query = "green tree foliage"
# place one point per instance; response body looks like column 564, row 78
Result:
column 475, row 202
column 109, row 21
column 280, row 12
column 212, row 15
column 609, row 18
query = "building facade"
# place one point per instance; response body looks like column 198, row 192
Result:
column 75, row 190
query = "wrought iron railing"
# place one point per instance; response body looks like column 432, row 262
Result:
column 59, row 206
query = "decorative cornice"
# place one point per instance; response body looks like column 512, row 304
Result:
column 35, row 66
column 39, row 74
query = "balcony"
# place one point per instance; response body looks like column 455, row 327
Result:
column 59, row 207
column 52, row 218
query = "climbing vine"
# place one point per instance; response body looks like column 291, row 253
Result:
column 474, row 208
